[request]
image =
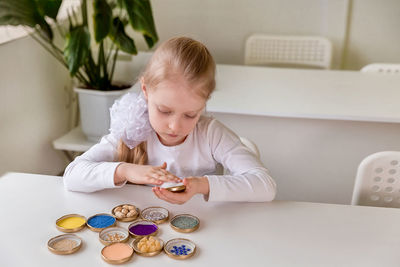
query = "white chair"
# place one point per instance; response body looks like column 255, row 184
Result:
column 384, row 68
column 300, row 51
column 250, row 145
column 378, row 180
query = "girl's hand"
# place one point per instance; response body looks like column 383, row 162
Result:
column 144, row 174
column 194, row 185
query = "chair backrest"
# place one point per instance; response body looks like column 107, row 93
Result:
column 250, row 145
column 311, row 51
column 384, row 68
column 378, row 180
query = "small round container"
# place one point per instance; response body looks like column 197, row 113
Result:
column 185, row 223
column 117, row 253
column 147, row 254
column 64, row 244
column 142, row 228
column 71, row 223
column 111, row 235
column 126, row 219
column 180, row 248
column 174, row 187
column 100, row 221
column 155, row 214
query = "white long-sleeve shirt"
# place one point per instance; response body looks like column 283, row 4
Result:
column 208, row 144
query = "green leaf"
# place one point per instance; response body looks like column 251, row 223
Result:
column 120, row 38
column 23, row 12
column 101, row 19
column 120, row 3
column 49, row 8
column 141, row 19
column 77, row 48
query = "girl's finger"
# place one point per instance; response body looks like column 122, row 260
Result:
column 152, row 180
column 176, row 198
column 162, row 172
column 163, row 166
column 161, row 196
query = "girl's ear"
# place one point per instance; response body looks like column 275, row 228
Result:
column 143, row 87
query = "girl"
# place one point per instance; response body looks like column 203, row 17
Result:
column 161, row 135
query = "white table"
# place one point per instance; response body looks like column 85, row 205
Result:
column 230, row 234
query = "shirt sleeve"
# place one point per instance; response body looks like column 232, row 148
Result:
column 248, row 180
column 93, row 170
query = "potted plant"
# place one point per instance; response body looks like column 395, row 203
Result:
column 91, row 64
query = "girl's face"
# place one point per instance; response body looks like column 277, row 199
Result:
column 174, row 109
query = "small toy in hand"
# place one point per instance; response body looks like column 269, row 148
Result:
column 174, row 187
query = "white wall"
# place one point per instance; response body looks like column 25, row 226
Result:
column 362, row 31
column 32, row 108
column 224, row 25
column 374, row 34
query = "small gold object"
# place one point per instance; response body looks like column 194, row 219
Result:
column 148, row 246
column 156, row 215
column 64, row 244
column 126, row 212
column 177, row 189
column 180, row 248
column 113, row 235
column 71, row 223
column 185, row 223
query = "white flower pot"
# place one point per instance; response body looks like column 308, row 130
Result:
column 94, row 106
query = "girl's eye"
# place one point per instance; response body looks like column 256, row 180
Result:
column 190, row 116
column 164, row 112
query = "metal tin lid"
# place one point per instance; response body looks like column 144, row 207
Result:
column 148, row 246
column 155, row 214
column 180, row 248
column 142, row 228
column 71, row 223
column 117, row 253
column 185, row 223
column 64, row 244
column 111, row 235
column 100, row 221
column 126, row 212
column 174, row 187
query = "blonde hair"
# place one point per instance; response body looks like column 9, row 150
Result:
column 177, row 56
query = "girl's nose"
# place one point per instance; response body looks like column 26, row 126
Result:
column 174, row 125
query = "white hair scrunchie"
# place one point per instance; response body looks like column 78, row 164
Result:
column 130, row 119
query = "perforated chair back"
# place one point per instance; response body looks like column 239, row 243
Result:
column 311, row 51
column 378, row 180
column 250, row 145
column 384, row 68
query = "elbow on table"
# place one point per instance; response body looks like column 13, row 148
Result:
column 270, row 189
column 71, row 183
column 271, row 194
